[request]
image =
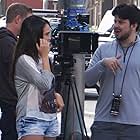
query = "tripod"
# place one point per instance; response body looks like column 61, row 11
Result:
column 71, row 89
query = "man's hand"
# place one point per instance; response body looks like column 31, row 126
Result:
column 112, row 63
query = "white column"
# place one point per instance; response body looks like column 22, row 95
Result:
column 45, row 4
column 115, row 3
column 95, row 16
column 100, row 11
column 55, row 5
column 138, row 2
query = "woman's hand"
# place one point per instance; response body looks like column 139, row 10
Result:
column 43, row 51
column 59, row 102
column 43, row 48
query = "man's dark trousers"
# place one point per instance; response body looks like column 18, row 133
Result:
column 114, row 131
column 8, row 122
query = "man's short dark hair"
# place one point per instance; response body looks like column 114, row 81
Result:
column 127, row 11
column 17, row 9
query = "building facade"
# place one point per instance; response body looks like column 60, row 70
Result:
column 97, row 8
column 35, row 4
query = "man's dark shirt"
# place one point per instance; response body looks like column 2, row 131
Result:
column 7, row 45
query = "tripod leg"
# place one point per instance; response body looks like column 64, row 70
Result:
column 66, row 112
column 76, row 106
column 78, row 98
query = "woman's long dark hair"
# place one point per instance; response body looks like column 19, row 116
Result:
column 30, row 34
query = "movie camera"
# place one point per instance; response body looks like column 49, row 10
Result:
column 73, row 42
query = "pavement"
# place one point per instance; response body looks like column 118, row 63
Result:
column 89, row 113
column 89, row 108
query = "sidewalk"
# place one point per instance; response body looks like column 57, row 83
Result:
column 89, row 113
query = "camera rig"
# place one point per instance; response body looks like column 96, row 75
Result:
column 71, row 41
column 69, row 67
column 77, row 42
column 72, row 44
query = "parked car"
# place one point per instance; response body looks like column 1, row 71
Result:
column 105, row 28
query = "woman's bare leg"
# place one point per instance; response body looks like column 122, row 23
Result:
column 32, row 137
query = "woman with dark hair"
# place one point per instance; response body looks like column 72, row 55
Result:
column 34, row 81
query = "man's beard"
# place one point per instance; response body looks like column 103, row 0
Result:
column 124, row 36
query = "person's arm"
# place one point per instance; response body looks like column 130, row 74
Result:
column 100, row 63
column 26, row 68
column 59, row 102
column 7, row 50
column 43, row 50
column 95, row 69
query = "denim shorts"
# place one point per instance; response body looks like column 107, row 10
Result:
column 33, row 126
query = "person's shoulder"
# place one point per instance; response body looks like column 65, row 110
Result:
column 4, row 32
column 108, row 45
column 26, row 60
column 25, row 57
column 7, row 38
